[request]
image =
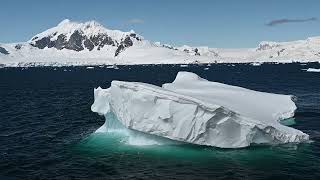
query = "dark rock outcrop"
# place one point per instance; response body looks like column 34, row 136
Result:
column 127, row 42
column 4, row 51
column 78, row 42
column 18, row 46
column 119, row 50
column 197, row 53
column 60, row 42
column 75, row 42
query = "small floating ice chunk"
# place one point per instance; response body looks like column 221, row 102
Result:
column 113, row 67
column 183, row 65
column 313, row 70
column 256, row 64
column 89, row 67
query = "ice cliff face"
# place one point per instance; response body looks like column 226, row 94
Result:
column 198, row 111
column 79, row 36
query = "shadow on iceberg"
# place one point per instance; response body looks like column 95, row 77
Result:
column 129, row 136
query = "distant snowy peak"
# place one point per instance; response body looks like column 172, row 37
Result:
column 308, row 49
column 80, row 36
column 196, row 51
column 309, row 42
column 265, row 45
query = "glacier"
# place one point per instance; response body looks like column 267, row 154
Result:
column 194, row 110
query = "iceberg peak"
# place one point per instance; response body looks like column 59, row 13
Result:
column 188, row 76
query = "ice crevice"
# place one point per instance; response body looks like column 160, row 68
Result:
column 197, row 111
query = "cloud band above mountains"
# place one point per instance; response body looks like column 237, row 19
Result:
column 286, row 21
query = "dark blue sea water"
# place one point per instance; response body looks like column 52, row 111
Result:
column 46, row 127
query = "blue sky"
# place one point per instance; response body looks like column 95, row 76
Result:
column 224, row 23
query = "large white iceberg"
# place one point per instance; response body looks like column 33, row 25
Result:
column 194, row 110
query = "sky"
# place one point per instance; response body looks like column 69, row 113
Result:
column 213, row 23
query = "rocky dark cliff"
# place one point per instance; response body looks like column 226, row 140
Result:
column 78, row 42
column 4, row 51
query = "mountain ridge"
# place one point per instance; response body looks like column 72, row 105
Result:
column 76, row 43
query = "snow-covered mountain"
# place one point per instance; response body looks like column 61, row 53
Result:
column 79, row 36
column 90, row 43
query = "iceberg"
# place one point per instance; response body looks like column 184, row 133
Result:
column 195, row 110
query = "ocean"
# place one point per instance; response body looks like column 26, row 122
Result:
column 47, row 127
